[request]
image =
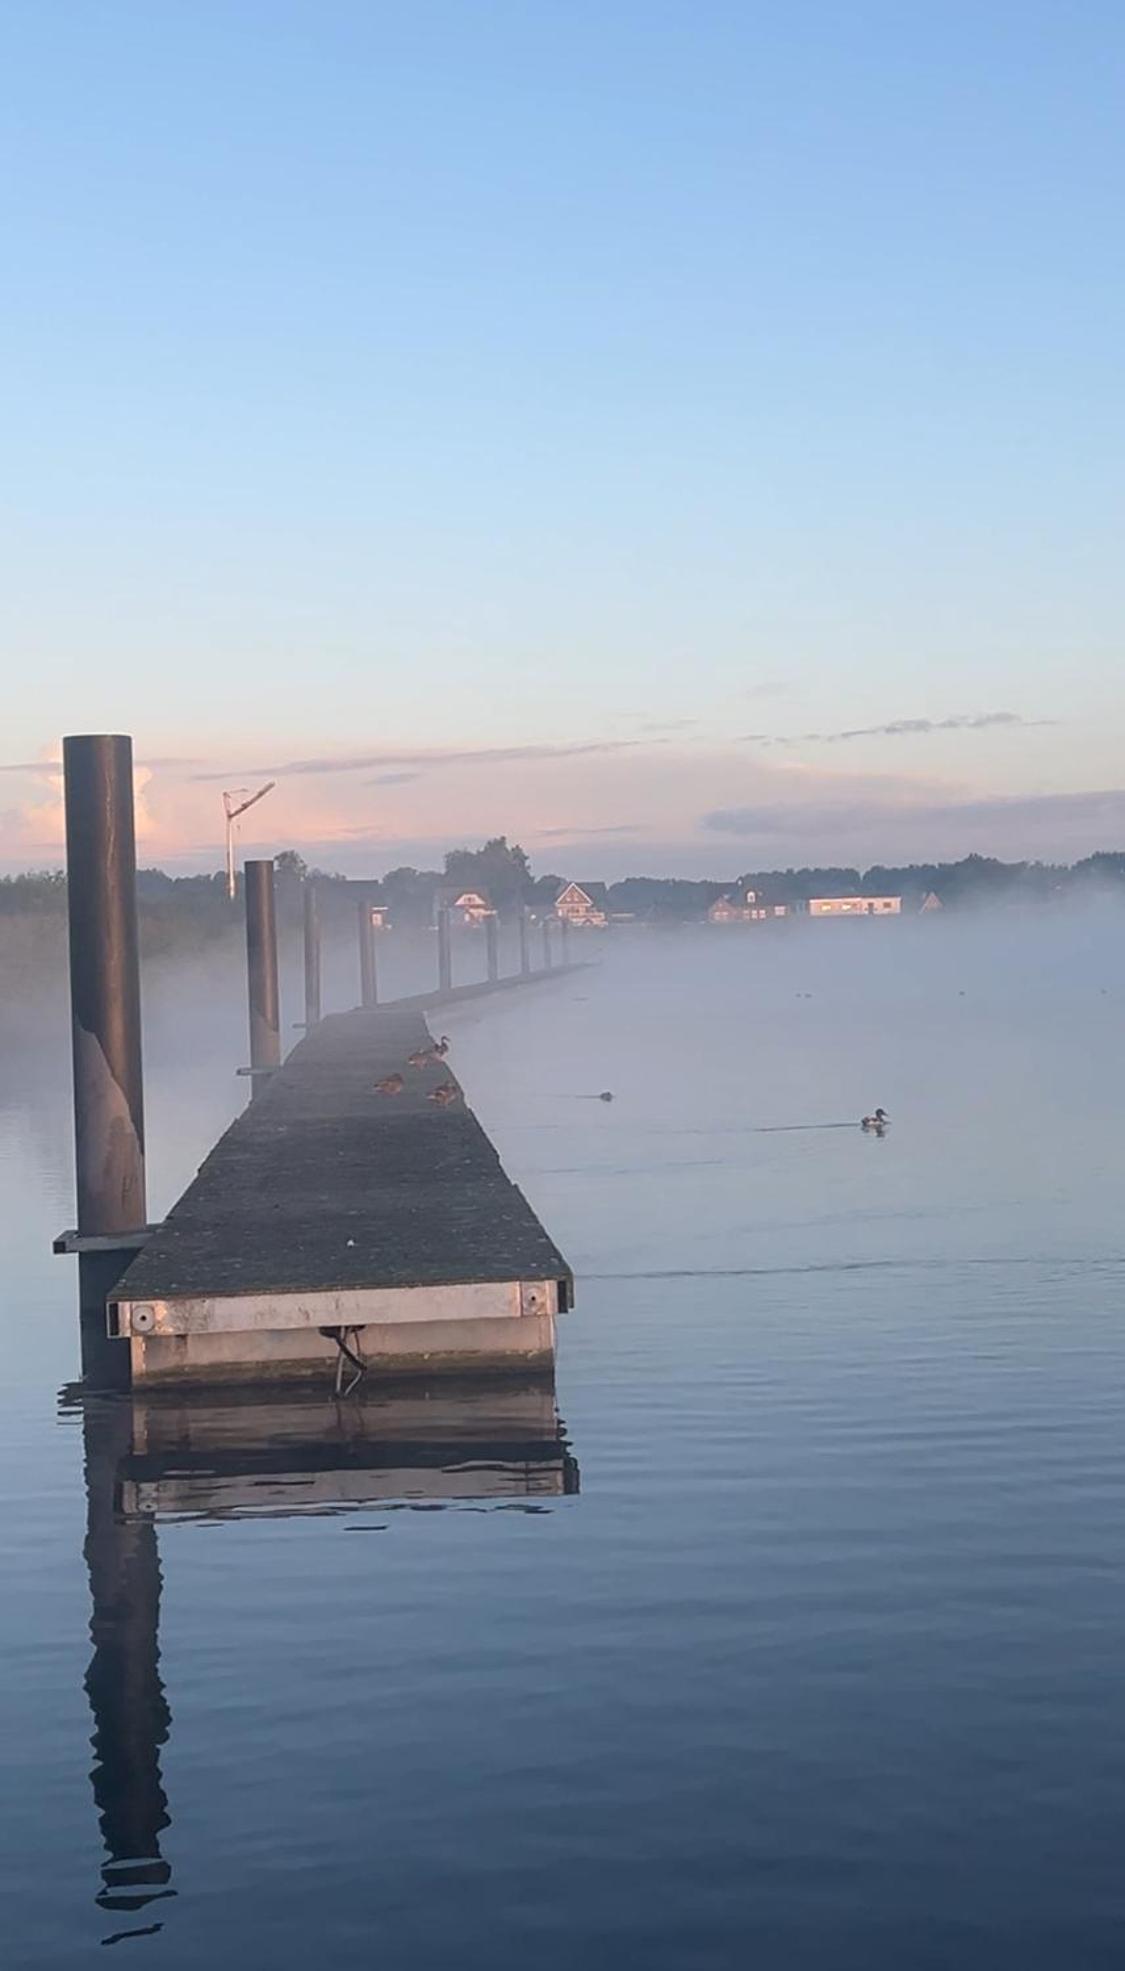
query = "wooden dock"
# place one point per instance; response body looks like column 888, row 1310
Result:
column 338, row 1232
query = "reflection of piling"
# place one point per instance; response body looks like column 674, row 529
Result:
column 105, row 1014
column 444, row 951
column 525, row 955
column 261, row 970
column 492, row 947
column 130, row 1712
column 368, row 977
column 312, row 956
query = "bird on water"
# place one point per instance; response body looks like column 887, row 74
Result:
column 878, row 1121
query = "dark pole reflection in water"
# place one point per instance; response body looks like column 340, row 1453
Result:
column 235, row 1456
column 130, row 1711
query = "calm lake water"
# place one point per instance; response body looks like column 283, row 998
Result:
column 794, row 1640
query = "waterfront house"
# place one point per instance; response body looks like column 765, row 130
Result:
column 583, row 905
column 745, row 908
column 472, row 907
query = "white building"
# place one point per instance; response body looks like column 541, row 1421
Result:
column 855, row 906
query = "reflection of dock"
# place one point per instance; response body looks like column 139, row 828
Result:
column 159, row 1456
column 448, row 1443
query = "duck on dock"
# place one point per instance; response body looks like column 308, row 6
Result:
column 445, row 1093
column 391, row 1084
column 429, row 1057
column 877, row 1122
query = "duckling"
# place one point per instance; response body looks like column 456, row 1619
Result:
column 391, row 1084
column 445, row 1093
column 878, row 1121
column 606, row 1095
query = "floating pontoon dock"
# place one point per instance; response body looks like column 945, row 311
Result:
column 334, row 1229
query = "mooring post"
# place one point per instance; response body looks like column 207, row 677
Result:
column 547, row 956
column 312, row 955
column 444, row 951
column 492, row 943
column 564, row 939
column 261, row 971
column 525, row 955
column 368, row 977
column 105, row 1019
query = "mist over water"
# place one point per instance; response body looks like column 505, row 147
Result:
column 821, row 1665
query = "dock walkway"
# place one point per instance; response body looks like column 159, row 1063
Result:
column 333, row 1223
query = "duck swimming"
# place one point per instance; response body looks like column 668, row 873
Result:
column 878, row 1121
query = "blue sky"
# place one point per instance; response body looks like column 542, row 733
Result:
column 675, row 379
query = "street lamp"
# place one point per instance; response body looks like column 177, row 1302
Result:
column 232, row 808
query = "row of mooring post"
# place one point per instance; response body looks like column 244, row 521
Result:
column 261, row 948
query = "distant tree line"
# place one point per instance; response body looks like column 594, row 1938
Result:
column 177, row 909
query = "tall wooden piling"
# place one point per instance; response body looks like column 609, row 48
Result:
column 548, row 956
column 445, row 950
column 105, row 1021
column 564, row 940
column 312, row 955
column 105, row 985
column 261, row 970
column 492, row 947
column 368, row 976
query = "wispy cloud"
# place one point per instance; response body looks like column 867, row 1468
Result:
column 393, row 779
column 896, row 729
column 430, row 760
column 573, row 834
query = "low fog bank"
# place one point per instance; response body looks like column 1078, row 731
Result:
column 775, row 1024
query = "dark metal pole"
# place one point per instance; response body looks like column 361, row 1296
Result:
column 525, row 955
column 312, row 956
column 444, row 951
column 368, row 979
column 492, row 941
column 105, row 985
column 261, row 969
